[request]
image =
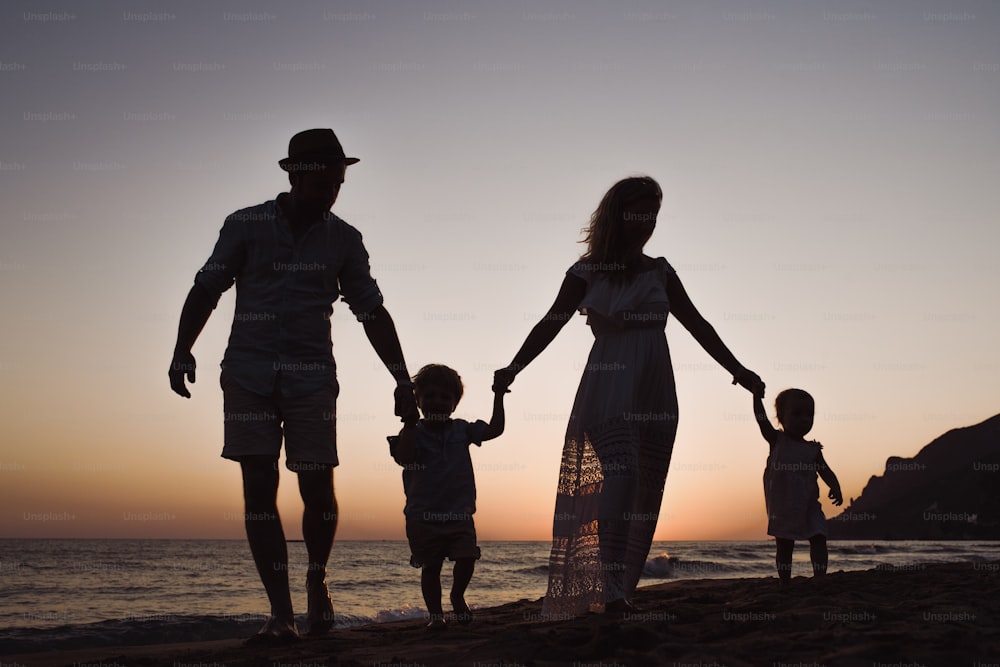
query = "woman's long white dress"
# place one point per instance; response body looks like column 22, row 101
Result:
column 618, row 444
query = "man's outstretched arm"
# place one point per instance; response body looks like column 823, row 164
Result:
column 197, row 308
column 381, row 332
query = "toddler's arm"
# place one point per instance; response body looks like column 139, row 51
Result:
column 766, row 430
column 831, row 480
column 403, row 447
column 495, row 427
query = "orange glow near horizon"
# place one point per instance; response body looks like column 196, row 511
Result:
column 121, row 497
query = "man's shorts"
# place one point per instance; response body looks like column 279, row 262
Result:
column 256, row 424
column 437, row 540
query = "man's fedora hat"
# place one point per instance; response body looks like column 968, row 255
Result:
column 314, row 149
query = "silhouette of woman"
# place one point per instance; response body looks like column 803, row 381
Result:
column 621, row 430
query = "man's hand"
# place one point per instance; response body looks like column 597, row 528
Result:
column 406, row 404
column 182, row 364
column 836, row 496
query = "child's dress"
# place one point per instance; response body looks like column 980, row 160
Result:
column 791, row 492
column 617, row 446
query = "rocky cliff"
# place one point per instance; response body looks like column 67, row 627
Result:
column 949, row 490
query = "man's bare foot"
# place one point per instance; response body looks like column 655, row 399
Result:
column 437, row 623
column 320, row 617
column 462, row 612
column 275, row 631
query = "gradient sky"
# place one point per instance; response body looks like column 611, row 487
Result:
column 830, row 178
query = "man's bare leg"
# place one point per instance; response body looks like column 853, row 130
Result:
column 267, row 541
column 319, row 526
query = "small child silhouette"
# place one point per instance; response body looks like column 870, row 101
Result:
column 440, row 486
column 791, row 492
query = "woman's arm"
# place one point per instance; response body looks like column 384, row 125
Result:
column 705, row 334
column 571, row 293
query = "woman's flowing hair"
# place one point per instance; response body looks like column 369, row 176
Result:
column 604, row 233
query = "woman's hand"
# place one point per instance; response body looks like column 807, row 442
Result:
column 750, row 381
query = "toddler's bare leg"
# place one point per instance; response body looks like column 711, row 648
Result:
column 464, row 567
column 783, row 559
column 430, row 586
column 818, row 554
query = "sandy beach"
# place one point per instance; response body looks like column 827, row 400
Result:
column 932, row 615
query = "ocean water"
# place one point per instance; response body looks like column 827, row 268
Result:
column 78, row 593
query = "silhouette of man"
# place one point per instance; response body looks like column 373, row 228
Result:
column 290, row 258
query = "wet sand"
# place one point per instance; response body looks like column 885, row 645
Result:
column 947, row 615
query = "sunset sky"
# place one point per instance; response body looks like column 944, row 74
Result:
column 830, row 202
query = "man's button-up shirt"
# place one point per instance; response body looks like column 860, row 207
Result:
column 285, row 289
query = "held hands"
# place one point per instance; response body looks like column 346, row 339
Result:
column 750, row 381
column 406, row 404
column 182, row 364
column 503, row 378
